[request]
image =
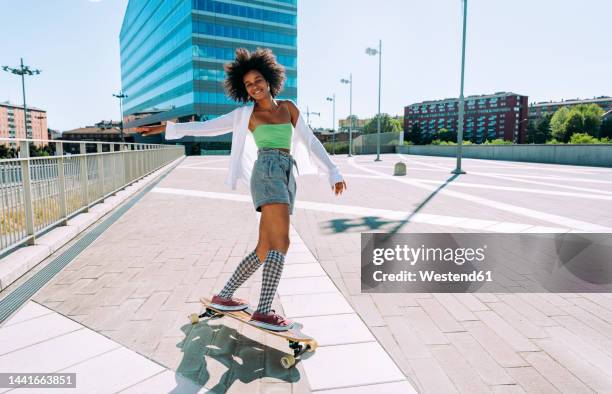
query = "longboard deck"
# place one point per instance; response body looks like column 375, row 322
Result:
column 294, row 334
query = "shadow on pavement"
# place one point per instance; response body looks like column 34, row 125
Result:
column 244, row 359
column 375, row 223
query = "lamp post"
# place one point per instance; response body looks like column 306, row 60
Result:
column 458, row 170
column 23, row 71
column 333, row 100
column 308, row 113
column 121, row 96
column 374, row 52
column 350, row 83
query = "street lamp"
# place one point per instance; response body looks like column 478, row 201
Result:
column 333, row 100
column 308, row 113
column 350, row 83
column 374, row 52
column 458, row 170
column 23, row 71
column 121, row 96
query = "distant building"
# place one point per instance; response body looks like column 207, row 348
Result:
column 501, row 115
column 537, row 110
column 358, row 124
column 12, row 125
column 101, row 132
column 54, row 134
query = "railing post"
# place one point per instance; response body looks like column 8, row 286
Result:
column 114, row 168
column 24, row 154
column 59, row 151
column 84, row 180
column 126, row 166
column 139, row 164
column 100, row 168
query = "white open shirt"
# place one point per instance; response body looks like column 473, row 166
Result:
column 308, row 152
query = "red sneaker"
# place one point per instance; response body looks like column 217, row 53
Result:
column 228, row 304
column 271, row 321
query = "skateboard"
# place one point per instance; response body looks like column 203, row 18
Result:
column 298, row 341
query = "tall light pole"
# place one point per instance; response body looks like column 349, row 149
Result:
column 458, row 170
column 333, row 100
column 350, row 83
column 121, row 96
column 23, row 71
column 308, row 113
column 374, row 52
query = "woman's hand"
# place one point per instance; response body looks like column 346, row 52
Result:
column 338, row 187
column 150, row 130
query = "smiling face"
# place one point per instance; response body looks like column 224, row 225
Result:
column 256, row 85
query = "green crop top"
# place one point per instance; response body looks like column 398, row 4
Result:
column 273, row 135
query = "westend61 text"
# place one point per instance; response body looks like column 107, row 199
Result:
column 432, row 276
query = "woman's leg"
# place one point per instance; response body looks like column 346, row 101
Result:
column 248, row 266
column 275, row 225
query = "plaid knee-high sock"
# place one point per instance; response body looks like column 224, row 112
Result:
column 244, row 270
column 273, row 268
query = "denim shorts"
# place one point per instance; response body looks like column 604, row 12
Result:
column 272, row 179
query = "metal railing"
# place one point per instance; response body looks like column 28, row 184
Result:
column 39, row 193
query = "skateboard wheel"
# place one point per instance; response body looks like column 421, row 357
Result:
column 211, row 313
column 312, row 346
column 287, row 361
column 194, row 318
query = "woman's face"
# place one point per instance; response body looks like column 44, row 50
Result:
column 256, row 86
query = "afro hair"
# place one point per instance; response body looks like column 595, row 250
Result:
column 262, row 60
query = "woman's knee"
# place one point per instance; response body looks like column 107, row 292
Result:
column 281, row 244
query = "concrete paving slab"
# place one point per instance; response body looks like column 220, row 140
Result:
column 302, row 270
column 310, row 285
column 385, row 388
column 29, row 311
column 166, row 382
column 33, row 331
column 350, row 365
column 315, row 305
column 337, row 329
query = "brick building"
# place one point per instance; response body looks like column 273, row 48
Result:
column 500, row 115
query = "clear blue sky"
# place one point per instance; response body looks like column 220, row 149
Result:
column 546, row 49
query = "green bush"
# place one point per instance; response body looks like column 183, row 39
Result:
column 583, row 138
column 341, row 147
column 498, row 141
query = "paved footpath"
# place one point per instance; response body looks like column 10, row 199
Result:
column 129, row 293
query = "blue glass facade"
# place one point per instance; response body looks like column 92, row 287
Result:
column 172, row 53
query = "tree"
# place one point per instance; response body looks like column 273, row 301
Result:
column 543, row 126
column 446, row 135
column 387, row 124
column 605, row 130
column 583, row 118
column 4, row 152
column 591, row 114
column 558, row 124
column 532, row 132
column 415, row 134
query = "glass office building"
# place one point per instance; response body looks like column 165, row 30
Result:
column 172, row 54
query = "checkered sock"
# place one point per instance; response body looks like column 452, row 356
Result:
column 244, row 270
column 273, row 268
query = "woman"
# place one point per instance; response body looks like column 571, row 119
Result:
column 270, row 129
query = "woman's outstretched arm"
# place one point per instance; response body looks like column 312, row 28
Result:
column 209, row 128
column 335, row 178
